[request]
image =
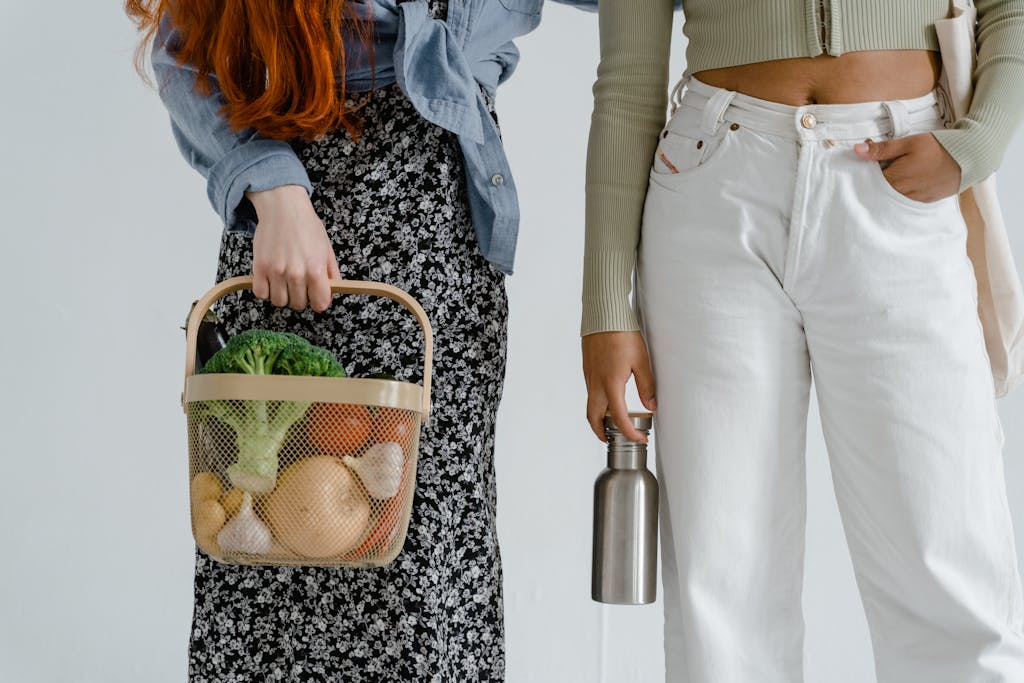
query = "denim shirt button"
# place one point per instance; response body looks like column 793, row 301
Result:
column 497, row 179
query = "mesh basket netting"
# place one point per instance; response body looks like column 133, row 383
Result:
column 289, row 470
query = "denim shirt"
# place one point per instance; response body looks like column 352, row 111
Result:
column 439, row 65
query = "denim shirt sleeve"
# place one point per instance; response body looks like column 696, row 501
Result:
column 232, row 162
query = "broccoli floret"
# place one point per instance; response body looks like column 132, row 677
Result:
column 262, row 426
column 253, row 352
column 306, row 359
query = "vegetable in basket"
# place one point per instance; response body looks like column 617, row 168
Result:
column 318, row 509
column 339, row 428
column 211, row 338
column 208, row 514
column 245, row 533
column 382, row 535
column 261, row 426
column 380, row 469
column 385, row 525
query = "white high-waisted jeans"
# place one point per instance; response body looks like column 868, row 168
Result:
column 770, row 251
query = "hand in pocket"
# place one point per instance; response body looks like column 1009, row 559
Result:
column 916, row 166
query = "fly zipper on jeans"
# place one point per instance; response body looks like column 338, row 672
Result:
column 798, row 228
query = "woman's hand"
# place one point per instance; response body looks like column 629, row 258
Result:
column 921, row 168
column 293, row 259
column 609, row 358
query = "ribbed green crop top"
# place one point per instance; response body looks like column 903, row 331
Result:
column 631, row 93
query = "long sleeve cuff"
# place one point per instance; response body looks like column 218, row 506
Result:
column 978, row 142
column 260, row 164
column 607, row 280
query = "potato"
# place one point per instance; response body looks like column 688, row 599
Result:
column 205, row 485
column 208, row 517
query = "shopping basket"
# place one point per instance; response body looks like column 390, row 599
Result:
column 302, row 470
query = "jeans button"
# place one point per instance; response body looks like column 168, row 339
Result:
column 808, row 121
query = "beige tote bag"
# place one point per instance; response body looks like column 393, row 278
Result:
column 1000, row 295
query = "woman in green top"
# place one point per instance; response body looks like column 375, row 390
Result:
column 799, row 213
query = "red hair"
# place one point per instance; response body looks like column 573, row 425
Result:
column 277, row 62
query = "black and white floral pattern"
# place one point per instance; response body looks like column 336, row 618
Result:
column 395, row 207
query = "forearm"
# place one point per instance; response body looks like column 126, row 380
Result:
column 630, row 98
column 979, row 140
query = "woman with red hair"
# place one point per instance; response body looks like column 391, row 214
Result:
column 358, row 140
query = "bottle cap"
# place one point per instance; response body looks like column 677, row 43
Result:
column 640, row 420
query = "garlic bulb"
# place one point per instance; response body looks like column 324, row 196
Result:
column 380, row 469
column 245, row 533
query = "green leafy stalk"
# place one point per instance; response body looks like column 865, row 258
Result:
column 258, row 448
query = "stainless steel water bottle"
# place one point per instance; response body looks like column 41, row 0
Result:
column 625, row 521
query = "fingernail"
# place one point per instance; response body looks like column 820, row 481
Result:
column 861, row 147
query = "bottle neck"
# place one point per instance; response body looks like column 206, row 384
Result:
column 624, row 454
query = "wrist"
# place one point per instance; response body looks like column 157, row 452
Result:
column 267, row 200
column 608, row 314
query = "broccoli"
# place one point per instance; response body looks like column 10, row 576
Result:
column 306, row 359
column 261, row 426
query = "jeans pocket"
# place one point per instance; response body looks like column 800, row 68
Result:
column 878, row 170
column 677, row 153
column 885, row 187
column 682, row 151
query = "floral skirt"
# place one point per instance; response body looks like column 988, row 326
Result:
column 395, row 207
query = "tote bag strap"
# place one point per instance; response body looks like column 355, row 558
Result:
column 956, row 34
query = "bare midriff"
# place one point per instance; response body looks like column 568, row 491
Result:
column 863, row 76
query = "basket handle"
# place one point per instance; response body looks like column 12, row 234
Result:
column 338, row 287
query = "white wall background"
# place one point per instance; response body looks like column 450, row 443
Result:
column 105, row 239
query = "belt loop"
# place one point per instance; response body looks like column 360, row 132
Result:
column 714, row 109
column 898, row 115
column 677, row 93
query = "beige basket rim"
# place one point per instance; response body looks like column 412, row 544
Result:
column 363, row 390
column 395, row 394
